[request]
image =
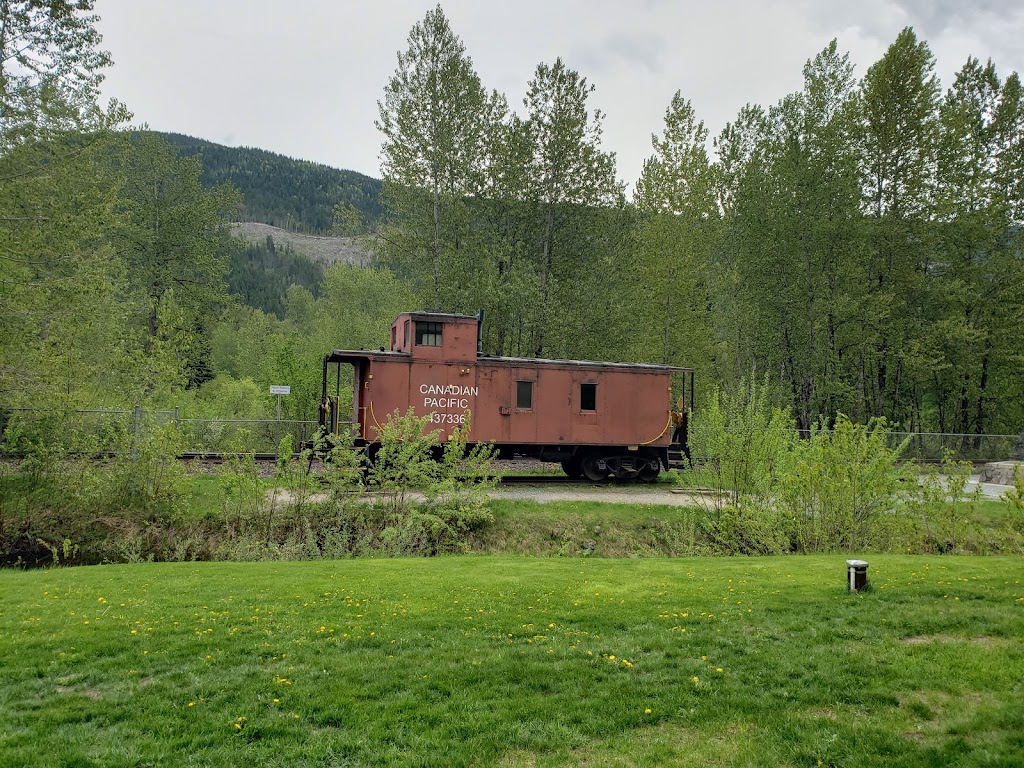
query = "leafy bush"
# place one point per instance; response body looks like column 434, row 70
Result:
column 945, row 505
column 841, row 487
column 767, row 490
column 740, row 444
column 405, row 461
column 452, row 479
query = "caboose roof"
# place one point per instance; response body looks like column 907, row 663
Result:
column 427, row 315
column 339, row 355
column 530, row 361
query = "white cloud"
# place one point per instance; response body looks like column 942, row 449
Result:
column 304, row 78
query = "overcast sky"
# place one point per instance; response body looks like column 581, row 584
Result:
column 303, row 78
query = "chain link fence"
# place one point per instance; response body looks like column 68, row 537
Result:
column 928, row 447
column 114, row 431
column 108, row 431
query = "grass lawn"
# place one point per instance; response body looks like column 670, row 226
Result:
column 515, row 661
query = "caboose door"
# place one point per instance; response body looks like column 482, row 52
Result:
column 587, row 407
column 525, row 404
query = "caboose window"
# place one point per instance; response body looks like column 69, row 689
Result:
column 428, row 334
column 524, row 394
column 406, row 345
column 588, row 397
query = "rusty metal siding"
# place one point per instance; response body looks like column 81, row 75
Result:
column 633, row 402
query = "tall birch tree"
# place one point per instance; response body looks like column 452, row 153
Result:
column 434, row 120
column 676, row 199
column 567, row 173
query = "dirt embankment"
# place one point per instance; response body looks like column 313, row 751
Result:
column 323, row 249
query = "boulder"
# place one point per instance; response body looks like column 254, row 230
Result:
column 1001, row 472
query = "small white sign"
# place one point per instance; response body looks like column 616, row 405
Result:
column 277, row 389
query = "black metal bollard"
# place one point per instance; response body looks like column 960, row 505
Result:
column 857, row 574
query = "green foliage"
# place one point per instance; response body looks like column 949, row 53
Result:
column 434, row 119
column 260, row 275
column 405, row 461
column 173, row 238
column 741, row 444
column 946, row 506
column 769, row 490
column 62, row 339
column 844, row 488
column 50, row 71
column 1015, row 498
column 345, row 468
column 57, row 492
column 460, row 495
column 245, row 498
column 678, row 234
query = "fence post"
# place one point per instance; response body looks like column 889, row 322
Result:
column 137, row 431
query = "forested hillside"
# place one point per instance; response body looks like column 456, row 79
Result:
column 296, row 195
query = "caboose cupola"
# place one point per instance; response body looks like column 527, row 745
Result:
column 435, row 336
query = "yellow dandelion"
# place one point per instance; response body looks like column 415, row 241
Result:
column 696, row 680
column 647, row 711
column 719, row 670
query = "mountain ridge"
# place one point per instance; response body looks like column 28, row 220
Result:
column 298, row 196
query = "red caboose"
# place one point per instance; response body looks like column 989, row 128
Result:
column 597, row 419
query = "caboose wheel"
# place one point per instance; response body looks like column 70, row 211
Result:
column 590, row 470
column 648, row 474
column 572, row 468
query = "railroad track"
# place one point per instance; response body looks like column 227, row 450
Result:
column 221, row 457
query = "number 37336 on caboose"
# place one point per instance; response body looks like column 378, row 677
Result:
column 599, row 420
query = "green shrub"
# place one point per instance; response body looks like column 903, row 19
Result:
column 741, row 444
column 840, row 485
column 945, row 506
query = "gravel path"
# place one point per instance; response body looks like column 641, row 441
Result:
column 637, row 495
